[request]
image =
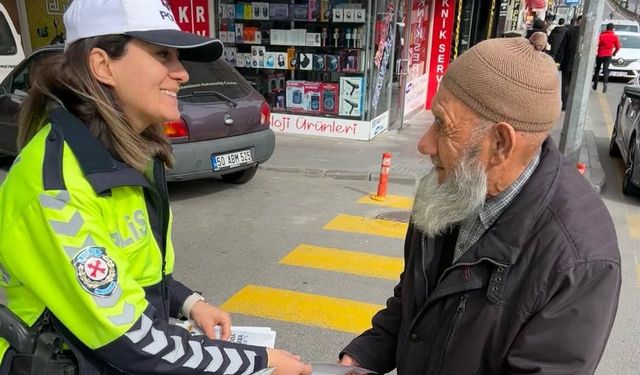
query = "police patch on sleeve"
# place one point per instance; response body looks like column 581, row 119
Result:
column 96, row 272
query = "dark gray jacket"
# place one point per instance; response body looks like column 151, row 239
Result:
column 537, row 294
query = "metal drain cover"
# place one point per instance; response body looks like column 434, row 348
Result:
column 401, row 216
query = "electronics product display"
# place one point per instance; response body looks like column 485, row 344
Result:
column 302, row 55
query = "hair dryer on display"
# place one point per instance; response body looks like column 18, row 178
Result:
column 336, row 35
column 354, row 87
column 352, row 104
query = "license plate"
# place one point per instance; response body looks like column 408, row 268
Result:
column 617, row 74
column 230, row 160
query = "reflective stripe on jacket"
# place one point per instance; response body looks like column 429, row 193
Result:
column 88, row 238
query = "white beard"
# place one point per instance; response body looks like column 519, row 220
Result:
column 462, row 195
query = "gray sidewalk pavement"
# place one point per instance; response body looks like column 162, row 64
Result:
column 359, row 160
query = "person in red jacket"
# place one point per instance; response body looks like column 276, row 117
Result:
column 608, row 46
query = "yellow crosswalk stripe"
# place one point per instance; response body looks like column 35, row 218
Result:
column 393, row 201
column 634, row 225
column 303, row 308
column 365, row 225
column 353, row 262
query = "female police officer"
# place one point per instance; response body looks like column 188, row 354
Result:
column 85, row 225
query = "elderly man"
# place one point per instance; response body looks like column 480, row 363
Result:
column 511, row 259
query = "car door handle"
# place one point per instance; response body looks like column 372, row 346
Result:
column 228, row 120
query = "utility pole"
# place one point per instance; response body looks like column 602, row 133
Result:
column 576, row 113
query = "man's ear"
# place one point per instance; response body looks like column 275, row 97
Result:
column 100, row 66
column 503, row 143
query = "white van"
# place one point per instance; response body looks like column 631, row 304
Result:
column 621, row 25
column 11, row 52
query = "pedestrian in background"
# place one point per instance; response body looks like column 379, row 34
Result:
column 538, row 25
column 608, row 46
column 566, row 56
column 556, row 36
column 511, row 259
column 85, row 224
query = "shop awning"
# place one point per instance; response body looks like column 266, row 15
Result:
column 536, row 4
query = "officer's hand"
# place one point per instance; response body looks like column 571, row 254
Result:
column 208, row 316
column 286, row 363
column 348, row 360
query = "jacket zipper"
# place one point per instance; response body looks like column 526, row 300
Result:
column 462, row 305
column 161, row 197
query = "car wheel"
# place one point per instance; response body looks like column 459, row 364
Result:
column 614, row 150
column 240, row 177
column 627, row 186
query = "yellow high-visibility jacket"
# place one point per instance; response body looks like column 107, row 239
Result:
column 87, row 238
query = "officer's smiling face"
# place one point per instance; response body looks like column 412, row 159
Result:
column 145, row 80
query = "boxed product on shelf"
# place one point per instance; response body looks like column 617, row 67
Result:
column 264, row 11
column 258, row 38
column 249, row 34
column 258, row 56
column 292, row 60
column 247, row 60
column 337, row 14
column 280, row 60
column 270, row 60
column 312, row 11
column 279, row 99
column 230, row 55
column 349, row 60
column 300, row 12
column 318, row 62
column 332, row 63
column 295, row 95
column 272, row 83
column 359, row 15
column 279, row 12
column 255, row 11
column 313, row 39
column 223, row 35
column 231, row 34
column 325, row 10
column 221, row 10
column 351, row 96
column 248, row 12
column 349, row 15
column 240, row 11
column 305, row 61
column 230, row 11
column 240, row 59
column 328, row 98
column 239, row 33
column 300, row 37
column 312, row 96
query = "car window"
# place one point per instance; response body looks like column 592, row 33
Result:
column 629, row 41
column 7, row 42
column 20, row 83
column 621, row 27
column 216, row 76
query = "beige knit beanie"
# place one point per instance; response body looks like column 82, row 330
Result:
column 508, row 80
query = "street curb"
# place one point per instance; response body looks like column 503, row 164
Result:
column 338, row 174
column 595, row 173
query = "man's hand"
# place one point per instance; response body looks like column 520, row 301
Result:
column 348, row 360
column 207, row 317
column 286, row 363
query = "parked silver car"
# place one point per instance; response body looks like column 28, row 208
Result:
column 224, row 130
column 625, row 140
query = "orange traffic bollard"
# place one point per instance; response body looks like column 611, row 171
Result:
column 582, row 168
column 384, row 177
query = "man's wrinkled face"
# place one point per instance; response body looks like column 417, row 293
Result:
column 447, row 139
column 456, row 188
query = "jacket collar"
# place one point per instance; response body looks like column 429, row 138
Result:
column 503, row 241
column 100, row 168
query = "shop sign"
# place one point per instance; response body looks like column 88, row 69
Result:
column 515, row 14
column 418, row 38
column 192, row 15
column 57, row 7
column 440, row 45
column 328, row 127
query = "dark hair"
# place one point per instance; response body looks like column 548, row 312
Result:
column 610, row 26
column 579, row 18
column 538, row 24
column 561, row 21
column 66, row 78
